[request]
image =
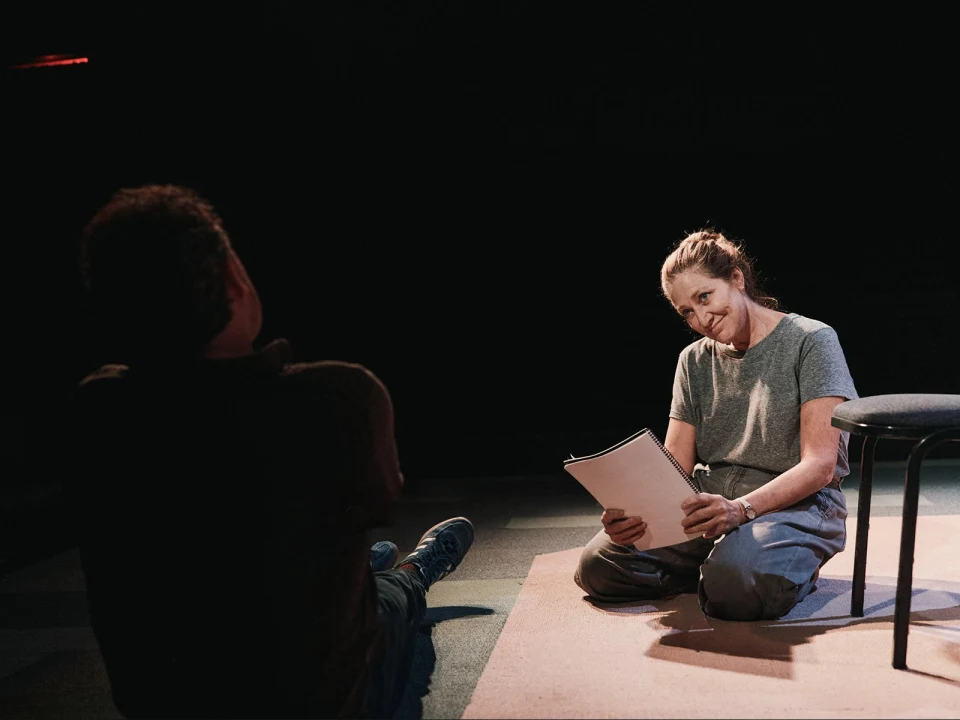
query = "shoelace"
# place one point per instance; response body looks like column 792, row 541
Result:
column 442, row 563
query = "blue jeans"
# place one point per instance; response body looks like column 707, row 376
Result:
column 403, row 604
column 758, row 571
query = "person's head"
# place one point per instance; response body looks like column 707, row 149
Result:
column 163, row 281
column 710, row 281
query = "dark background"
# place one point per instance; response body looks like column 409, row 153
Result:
column 474, row 199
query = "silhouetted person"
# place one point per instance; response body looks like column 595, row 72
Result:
column 750, row 420
column 227, row 493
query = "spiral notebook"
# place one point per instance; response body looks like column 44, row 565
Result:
column 639, row 476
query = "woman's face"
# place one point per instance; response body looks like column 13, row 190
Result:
column 713, row 307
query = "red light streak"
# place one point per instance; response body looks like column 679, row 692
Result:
column 52, row 61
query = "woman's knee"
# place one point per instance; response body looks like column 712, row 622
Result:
column 610, row 573
column 614, row 573
column 590, row 571
column 733, row 591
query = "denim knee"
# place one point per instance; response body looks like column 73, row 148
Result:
column 729, row 591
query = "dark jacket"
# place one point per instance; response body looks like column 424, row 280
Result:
column 225, row 510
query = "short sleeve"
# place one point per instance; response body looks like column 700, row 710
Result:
column 823, row 371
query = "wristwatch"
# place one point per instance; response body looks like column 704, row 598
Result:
column 748, row 510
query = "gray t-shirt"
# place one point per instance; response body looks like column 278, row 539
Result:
column 745, row 406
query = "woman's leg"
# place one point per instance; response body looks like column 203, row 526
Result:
column 619, row 573
column 761, row 570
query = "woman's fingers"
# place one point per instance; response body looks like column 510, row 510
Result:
column 709, row 515
column 623, row 530
column 611, row 515
column 629, row 536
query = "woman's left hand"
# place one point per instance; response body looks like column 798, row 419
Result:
column 710, row 515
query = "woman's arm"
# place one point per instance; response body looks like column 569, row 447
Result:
column 681, row 441
column 819, row 444
column 713, row 515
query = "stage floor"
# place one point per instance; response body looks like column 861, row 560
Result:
column 50, row 666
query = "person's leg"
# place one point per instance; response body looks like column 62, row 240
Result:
column 402, row 592
column 618, row 573
column 761, row 570
column 402, row 606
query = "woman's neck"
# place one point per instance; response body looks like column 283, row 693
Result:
column 761, row 321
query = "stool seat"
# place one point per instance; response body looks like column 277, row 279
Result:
column 929, row 419
column 904, row 412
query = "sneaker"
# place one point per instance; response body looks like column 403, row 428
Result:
column 383, row 555
column 441, row 549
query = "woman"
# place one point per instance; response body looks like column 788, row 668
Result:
column 750, row 420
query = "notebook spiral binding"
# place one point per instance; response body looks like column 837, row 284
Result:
column 673, row 460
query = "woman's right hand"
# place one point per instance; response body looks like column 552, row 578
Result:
column 622, row 530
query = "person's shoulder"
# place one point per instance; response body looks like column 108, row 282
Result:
column 110, row 373
column 807, row 334
column 802, row 325
column 106, row 378
column 329, row 368
column 333, row 373
column 102, row 388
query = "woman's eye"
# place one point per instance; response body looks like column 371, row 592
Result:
column 704, row 296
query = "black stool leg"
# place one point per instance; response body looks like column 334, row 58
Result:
column 908, row 537
column 863, row 526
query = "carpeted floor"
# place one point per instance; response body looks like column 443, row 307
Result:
column 562, row 656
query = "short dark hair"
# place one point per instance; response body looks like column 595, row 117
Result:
column 153, row 260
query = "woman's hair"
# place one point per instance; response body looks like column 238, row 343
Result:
column 711, row 253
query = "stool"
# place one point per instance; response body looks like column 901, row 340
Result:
column 929, row 420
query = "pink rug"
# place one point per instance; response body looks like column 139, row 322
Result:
column 561, row 656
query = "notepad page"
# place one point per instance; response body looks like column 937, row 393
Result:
column 638, row 478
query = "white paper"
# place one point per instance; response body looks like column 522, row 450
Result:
column 640, row 478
